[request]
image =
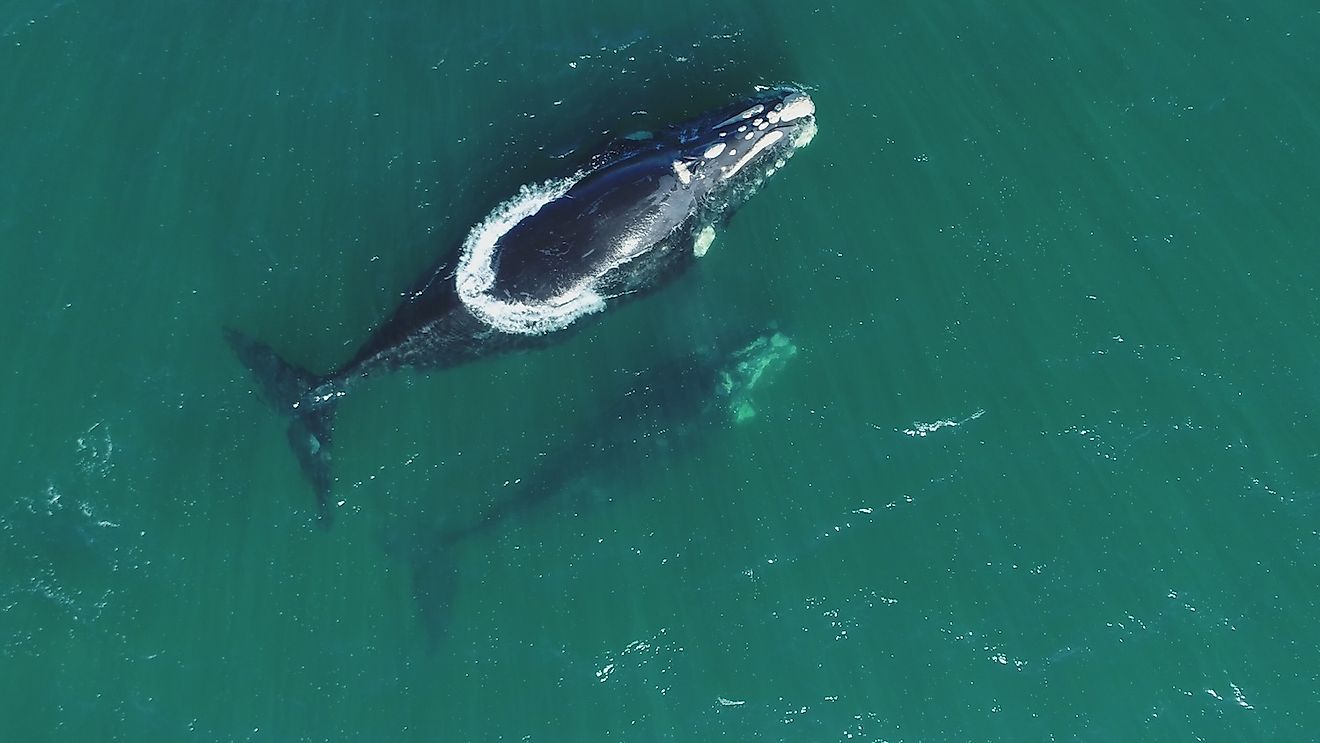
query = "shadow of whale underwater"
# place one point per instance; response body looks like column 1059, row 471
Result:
column 626, row 223
column 674, row 404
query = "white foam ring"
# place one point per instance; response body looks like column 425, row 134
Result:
column 476, row 272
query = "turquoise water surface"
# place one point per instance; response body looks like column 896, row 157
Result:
column 1046, row 465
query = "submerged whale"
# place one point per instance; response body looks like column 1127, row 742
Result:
column 671, row 406
column 626, row 223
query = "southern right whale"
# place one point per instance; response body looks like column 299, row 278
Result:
column 671, row 405
column 627, row 222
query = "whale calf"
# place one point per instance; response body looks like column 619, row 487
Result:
column 627, row 222
column 674, row 405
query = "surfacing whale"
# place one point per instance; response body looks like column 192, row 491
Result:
column 626, row 223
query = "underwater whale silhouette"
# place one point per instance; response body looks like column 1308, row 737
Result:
column 675, row 404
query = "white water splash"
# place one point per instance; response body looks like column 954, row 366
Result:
column 921, row 430
column 94, row 449
column 638, row 654
column 476, row 270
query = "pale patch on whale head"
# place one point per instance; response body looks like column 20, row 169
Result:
column 761, row 144
column 796, row 106
column 749, row 113
column 475, row 276
column 681, row 170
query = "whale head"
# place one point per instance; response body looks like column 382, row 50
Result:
column 744, row 142
column 565, row 248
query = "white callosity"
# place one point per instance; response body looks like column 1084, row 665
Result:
column 796, row 106
column 749, row 113
column 761, row 144
column 681, row 170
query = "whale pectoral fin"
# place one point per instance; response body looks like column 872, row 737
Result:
column 702, row 242
column 743, row 411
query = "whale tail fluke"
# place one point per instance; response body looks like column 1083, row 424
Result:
column 284, row 386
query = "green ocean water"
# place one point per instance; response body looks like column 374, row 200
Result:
column 1046, row 466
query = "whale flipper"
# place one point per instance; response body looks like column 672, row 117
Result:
column 283, row 386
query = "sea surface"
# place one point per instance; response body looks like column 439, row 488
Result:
column 1046, row 465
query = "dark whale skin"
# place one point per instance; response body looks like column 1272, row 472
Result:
column 551, row 257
